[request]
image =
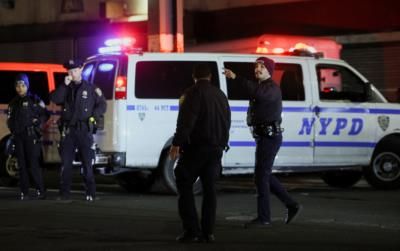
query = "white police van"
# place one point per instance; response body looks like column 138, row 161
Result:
column 335, row 121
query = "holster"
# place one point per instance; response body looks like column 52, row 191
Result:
column 92, row 125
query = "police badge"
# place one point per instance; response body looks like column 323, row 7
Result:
column 383, row 122
column 85, row 94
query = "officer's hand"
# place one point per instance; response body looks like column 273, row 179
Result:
column 174, row 152
column 67, row 80
column 229, row 74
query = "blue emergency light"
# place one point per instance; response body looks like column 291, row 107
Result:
column 118, row 45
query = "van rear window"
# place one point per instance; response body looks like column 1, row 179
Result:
column 167, row 79
column 38, row 85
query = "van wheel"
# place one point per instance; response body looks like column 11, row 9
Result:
column 167, row 167
column 138, row 181
column 9, row 172
column 384, row 170
column 341, row 179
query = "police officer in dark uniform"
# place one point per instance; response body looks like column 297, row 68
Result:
column 264, row 119
column 201, row 135
column 83, row 104
column 26, row 113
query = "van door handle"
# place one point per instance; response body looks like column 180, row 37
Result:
column 317, row 111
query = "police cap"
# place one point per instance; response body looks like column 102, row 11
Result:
column 73, row 63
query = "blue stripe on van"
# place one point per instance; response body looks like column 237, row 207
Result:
column 308, row 144
column 344, row 144
column 297, row 109
column 130, row 107
column 284, row 144
column 285, row 109
column 174, row 108
column 384, row 111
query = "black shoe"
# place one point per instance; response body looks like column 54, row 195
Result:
column 90, row 198
column 257, row 223
column 24, row 196
column 208, row 238
column 188, row 237
column 292, row 212
column 40, row 195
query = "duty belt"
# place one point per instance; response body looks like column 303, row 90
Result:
column 267, row 129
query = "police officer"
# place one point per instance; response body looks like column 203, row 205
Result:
column 82, row 105
column 26, row 113
column 264, row 119
column 201, row 135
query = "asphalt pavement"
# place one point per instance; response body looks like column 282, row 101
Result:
column 360, row 218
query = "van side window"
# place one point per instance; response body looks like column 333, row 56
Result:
column 104, row 77
column 339, row 83
column 290, row 79
column 38, row 85
column 167, row 79
column 288, row 76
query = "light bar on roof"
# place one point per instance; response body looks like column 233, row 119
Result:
column 118, row 45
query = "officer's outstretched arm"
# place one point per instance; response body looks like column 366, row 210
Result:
column 233, row 78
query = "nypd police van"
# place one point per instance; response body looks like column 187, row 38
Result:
column 335, row 121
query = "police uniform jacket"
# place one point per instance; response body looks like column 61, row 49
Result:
column 24, row 112
column 79, row 102
column 204, row 116
column 265, row 105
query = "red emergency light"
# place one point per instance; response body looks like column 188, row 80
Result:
column 120, row 88
column 297, row 46
column 263, row 48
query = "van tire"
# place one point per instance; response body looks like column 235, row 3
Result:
column 384, row 169
column 9, row 173
column 9, row 170
column 138, row 181
column 342, row 179
column 167, row 167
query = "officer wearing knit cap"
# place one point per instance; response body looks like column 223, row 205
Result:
column 22, row 78
column 264, row 119
column 26, row 113
column 268, row 63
